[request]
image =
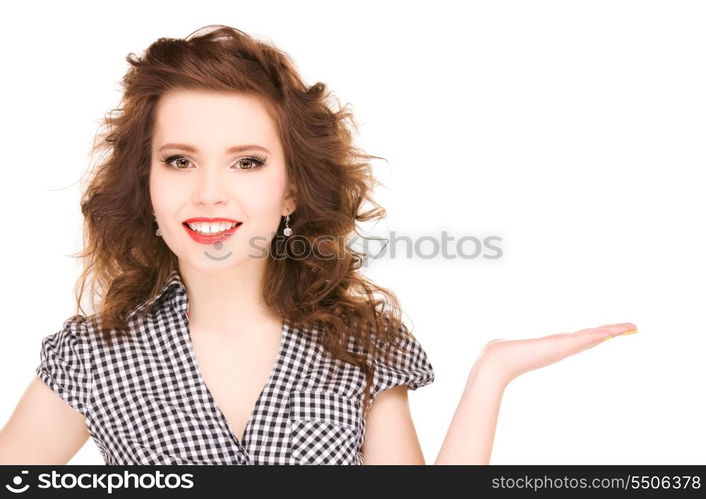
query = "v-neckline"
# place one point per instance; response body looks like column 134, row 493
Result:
column 212, row 401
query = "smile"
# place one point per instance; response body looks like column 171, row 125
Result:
column 210, row 232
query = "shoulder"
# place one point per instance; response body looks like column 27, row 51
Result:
column 73, row 347
column 77, row 332
column 66, row 361
column 401, row 361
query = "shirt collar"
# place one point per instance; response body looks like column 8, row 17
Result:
column 174, row 279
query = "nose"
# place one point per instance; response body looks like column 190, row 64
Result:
column 210, row 187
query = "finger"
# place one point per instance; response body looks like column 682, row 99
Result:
column 605, row 333
column 606, row 329
column 571, row 343
column 595, row 332
column 631, row 330
column 611, row 330
column 619, row 328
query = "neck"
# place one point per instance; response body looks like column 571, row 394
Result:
column 226, row 301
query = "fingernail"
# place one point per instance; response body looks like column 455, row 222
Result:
column 632, row 331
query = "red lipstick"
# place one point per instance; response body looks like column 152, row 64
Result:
column 211, row 238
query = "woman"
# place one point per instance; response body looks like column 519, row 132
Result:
column 234, row 326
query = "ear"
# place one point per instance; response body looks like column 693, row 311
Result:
column 291, row 200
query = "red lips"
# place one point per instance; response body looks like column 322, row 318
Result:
column 206, row 219
column 211, row 238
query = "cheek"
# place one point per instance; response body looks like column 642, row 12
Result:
column 156, row 189
column 262, row 197
column 256, row 205
column 164, row 192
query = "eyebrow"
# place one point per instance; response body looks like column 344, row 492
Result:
column 193, row 149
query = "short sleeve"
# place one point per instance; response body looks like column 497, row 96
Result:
column 65, row 363
column 409, row 365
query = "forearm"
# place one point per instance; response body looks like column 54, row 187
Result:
column 469, row 439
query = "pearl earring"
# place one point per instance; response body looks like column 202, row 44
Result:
column 287, row 230
column 157, row 232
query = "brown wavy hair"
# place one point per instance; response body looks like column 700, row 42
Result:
column 332, row 179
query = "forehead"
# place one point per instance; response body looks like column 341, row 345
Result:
column 212, row 117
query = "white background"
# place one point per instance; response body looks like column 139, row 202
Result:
column 572, row 130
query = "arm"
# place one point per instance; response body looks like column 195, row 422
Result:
column 390, row 437
column 469, row 439
column 43, row 429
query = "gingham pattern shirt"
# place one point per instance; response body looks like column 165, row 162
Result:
column 145, row 401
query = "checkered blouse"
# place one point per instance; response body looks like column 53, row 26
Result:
column 145, row 402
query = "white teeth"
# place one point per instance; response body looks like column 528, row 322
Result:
column 210, row 228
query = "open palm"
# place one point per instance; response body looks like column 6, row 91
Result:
column 511, row 358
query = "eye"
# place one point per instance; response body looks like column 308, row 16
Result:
column 251, row 162
column 168, row 160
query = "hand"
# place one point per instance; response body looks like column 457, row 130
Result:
column 507, row 359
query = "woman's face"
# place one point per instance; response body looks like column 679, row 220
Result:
column 217, row 155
